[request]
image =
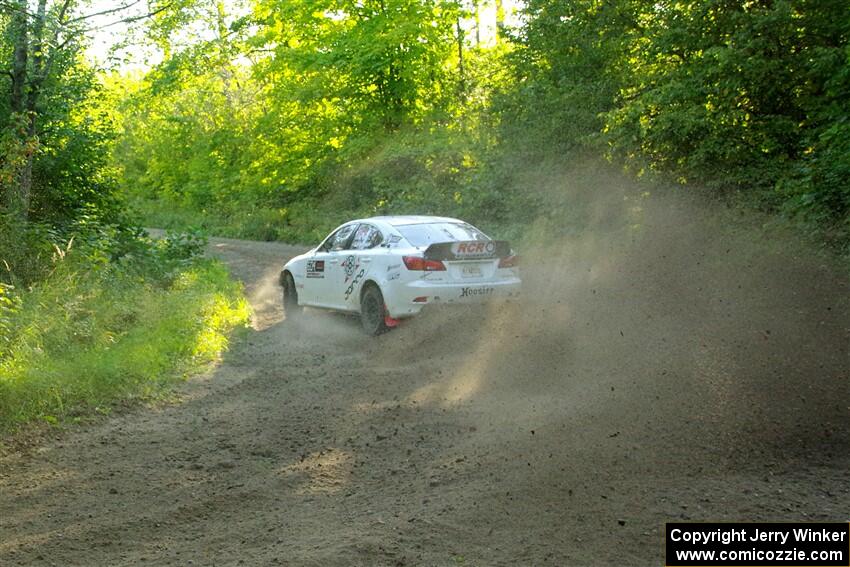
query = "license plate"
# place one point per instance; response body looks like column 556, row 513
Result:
column 471, row 271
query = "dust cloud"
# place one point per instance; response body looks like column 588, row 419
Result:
column 670, row 359
column 667, row 361
column 658, row 313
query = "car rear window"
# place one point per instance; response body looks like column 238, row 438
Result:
column 422, row 235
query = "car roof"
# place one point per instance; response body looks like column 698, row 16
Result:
column 402, row 220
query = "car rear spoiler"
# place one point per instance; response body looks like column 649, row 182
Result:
column 468, row 250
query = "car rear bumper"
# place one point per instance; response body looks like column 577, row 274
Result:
column 408, row 300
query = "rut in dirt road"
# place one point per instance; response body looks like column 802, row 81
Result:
column 639, row 382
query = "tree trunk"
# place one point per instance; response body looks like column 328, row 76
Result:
column 19, row 29
column 36, row 80
column 477, row 23
column 17, row 199
column 460, row 63
column 38, row 70
column 500, row 21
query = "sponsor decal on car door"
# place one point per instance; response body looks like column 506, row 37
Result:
column 334, row 273
column 356, row 265
column 354, row 271
column 315, row 280
column 315, row 269
column 328, row 286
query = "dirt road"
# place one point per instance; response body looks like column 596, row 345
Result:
column 635, row 385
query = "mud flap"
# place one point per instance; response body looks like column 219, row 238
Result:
column 389, row 321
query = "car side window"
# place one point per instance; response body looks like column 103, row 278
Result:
column 342, row 237
column 376, row 239
column 327, row 242
column 336, row 238
column 367, row 236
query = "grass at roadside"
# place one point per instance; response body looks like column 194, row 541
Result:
column 86, row 338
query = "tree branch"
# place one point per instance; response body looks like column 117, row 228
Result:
column 104, row 12
column 62, row 11
column 59, row 23
column 15, row 8
column 129, row 19
column 63, row 25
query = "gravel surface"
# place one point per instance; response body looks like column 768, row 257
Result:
column 640, row 381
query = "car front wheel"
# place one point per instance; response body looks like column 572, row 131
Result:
column 290, row 296
column 373, row 312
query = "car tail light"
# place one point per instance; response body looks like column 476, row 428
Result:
column 511, row 261
column 419, row 264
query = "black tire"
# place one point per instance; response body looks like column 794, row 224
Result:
column 290, row 296
column 373, row 311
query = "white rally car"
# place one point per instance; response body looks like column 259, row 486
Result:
column 389, row 268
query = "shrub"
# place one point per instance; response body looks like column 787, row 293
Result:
column 115, row 317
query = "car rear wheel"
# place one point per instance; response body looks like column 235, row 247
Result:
column 373, row 312
column 290, row 296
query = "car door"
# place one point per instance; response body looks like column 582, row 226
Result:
column 332, row 253
column 317, row 268
column 358, row 263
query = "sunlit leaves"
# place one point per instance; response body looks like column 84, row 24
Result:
column 383, row 59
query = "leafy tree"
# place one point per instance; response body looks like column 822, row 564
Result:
column 567, row 73
column 305, row 111
column 54, row 130
column 737, row 95
column 383, row 57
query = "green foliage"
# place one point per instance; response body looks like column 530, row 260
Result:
column 10, row 305
column 14, row 147
column 306, row 113
column 380, row 62
column 96, row 331
column 267, row 152
column 567, row 72
column 26, row 250
column 72, row 169
column 745, row 97
column 92, row 311
column 749, row 100
column 55, row 128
